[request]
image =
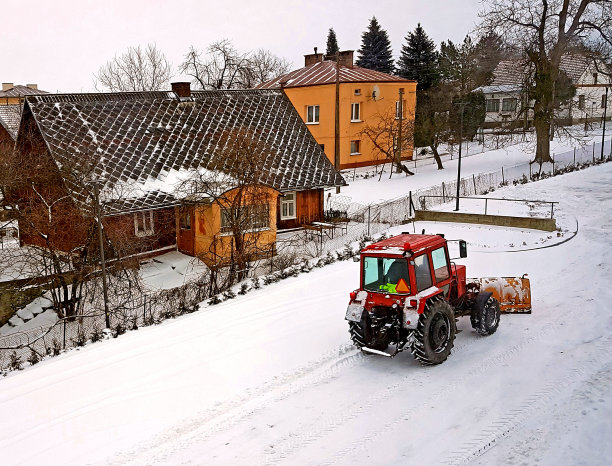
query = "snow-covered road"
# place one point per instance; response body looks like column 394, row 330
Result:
column 271, row 377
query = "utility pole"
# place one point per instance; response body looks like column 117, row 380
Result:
column 102, row 259
column 399, row 130
column 603, row 133
column 337, row 120
column 462, row 105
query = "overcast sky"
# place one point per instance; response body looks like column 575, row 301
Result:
column 60, row 44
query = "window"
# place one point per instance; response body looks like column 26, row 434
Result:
column 143, row 223
column 581, row 99
column 440, row 264
column 355, row 112
column 312, row 114
column 509, row 105
column 357, row 91
column 246, row 218
column 604, row 101
column 185, row 219
column 287, row 206
column 422, row 272
column 397, row 109
column 492, row 105
column 384, row 274
column 355, row 146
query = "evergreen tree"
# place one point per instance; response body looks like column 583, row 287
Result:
column 375, row 52
column 419, row 60
column 332, row 44
column 488, row 53
column 458, row 64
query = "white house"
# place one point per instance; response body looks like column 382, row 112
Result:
column 506, row 99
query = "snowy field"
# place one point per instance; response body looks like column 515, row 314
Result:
column 271, row 377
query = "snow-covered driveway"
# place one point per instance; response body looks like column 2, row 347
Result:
column 271, row 377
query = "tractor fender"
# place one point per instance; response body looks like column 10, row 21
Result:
column 412, row 313
column 354, row 312
column 481, row 300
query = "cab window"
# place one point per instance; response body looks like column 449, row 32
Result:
column 440, row 264
column 422, row 272
column 384, row 274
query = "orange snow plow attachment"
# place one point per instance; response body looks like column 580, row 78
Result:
column 513, row 293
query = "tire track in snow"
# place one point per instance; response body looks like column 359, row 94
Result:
column 227, row 414
column 494, row 360
column 516, row 418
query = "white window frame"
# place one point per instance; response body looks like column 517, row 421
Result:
column 147, row 223
column 356, row 112
column 357, row 92
column 315, row 115
column 288, row 205
column 358, row 147
column 492, row 103
column 397, row 109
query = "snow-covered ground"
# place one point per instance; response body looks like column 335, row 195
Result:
column 371, row 190
column 271, row 377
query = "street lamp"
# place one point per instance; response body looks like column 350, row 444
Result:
column 603, row 133
column 98, row 213
column 462, row 104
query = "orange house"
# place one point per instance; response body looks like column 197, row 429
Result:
column 364, row 97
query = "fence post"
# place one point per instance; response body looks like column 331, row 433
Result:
column 144, row 310
column 503, row 180
column 64, row 333
column 409, row 204
column 443, row 193
column 474, row 178
column 552, row 207
column 529, row 170
column 369, row 207
column 553, row 159
column 593, row 152
column 574, row 156
column 486, row 203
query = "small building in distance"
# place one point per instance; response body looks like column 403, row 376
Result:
column 365, row 97
column 11, row 102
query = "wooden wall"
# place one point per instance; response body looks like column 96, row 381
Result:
column 308, row 209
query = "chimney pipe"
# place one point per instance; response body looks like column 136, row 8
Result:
column 313, row 58
column 182, row 89
column 32, row 86
column 7, row 86
column 345, row 58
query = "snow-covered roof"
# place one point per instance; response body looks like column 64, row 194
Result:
column 500, row 88
column 513, row 71
column 324, row 72
column 9, row 118
column 145, row 139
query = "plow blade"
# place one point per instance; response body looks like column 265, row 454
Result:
column 513, row 293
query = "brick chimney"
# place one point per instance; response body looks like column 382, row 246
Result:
column 182, row 89
column 32, row 86
column 313, row 58
column 345, row 58
column 7, row 86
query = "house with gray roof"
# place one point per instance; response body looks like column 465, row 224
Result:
column 142, row 148
column 506, row 101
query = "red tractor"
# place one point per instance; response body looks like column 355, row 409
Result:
column 411, row 294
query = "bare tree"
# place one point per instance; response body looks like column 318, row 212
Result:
column 137, row 69
column 61, row 250
column 389, row 139
column 235, row 183
column 222, row 66
column 544, row 30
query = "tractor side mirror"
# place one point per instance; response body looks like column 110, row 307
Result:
column 462, row 248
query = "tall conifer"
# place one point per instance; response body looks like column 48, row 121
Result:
column 418, row 59
column 375, row 52
column 332, row 44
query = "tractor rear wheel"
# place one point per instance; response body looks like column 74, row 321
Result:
column 362, row 335
column 435, row 333
column 485, row 319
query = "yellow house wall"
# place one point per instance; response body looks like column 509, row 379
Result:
column 323, row 132
column 214, row 247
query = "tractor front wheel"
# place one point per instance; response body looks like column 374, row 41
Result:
column 485, row 318
column 435, row 333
